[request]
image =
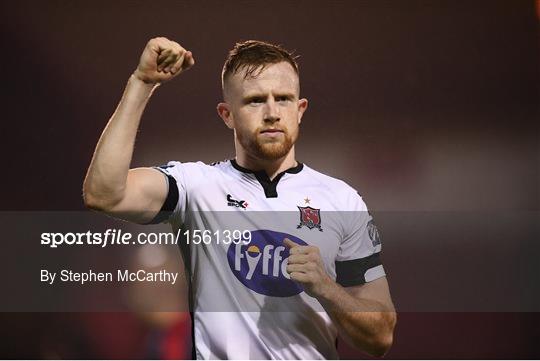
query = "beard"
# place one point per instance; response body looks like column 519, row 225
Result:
column 267, row 149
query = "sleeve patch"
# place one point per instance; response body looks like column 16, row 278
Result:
column 373, row 233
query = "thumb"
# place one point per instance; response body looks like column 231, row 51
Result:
column 189, row 61
column 290, row 244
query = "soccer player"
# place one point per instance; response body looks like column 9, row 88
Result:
column 311, row 270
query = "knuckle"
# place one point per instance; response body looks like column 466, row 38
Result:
column 158, row 40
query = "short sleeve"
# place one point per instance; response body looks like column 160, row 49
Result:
column 174, row 203
column 358, row 260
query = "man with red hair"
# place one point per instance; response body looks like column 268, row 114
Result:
column 302, row 275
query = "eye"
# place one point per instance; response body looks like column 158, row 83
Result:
column 256, row 100
column 283, row 98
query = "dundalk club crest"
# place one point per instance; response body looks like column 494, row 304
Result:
column 310, row 217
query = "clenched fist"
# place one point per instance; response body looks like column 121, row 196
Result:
column 162, row 60
column 306, row 267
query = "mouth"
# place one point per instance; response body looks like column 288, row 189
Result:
column 271, row 131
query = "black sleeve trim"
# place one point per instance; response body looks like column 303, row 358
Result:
column 170, row 202
column 353, row 272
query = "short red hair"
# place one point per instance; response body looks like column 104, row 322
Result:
column 255, row 55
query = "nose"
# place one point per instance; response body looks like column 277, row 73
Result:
column 271, row 111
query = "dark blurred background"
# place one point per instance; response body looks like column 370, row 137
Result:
column 426, row 107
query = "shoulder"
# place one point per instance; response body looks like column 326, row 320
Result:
column 335, row 185
column 197, row 166
column 345, row 195
column 184, row 171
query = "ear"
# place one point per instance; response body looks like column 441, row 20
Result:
column 302, row 107
column 224, row 111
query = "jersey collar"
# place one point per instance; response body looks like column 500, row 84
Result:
column 268, row 185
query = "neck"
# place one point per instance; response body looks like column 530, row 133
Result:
column 271, row 167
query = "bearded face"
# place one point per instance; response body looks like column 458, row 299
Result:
column 265, row 111
column 268, row 143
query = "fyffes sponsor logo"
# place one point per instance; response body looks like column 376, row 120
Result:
column 261, row 265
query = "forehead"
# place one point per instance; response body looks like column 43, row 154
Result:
column 275, row 77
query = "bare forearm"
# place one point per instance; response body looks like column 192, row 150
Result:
column 109, row 185
column 107, row 174
column 363, row 323
column 361, row 319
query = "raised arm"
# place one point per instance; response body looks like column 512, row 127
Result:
column 110, row 186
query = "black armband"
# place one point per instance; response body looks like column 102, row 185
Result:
column 353, row 272
column 170, row 202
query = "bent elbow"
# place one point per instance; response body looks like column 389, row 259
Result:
column 92, row 202
column 381, row 346
column 95, row 203
column 381, row 342
column 384, row 342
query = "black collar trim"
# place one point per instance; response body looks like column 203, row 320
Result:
column 268, row 185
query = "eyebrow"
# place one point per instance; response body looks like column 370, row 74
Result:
column 252, row 96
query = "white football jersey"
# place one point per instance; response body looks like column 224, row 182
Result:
column 233, row 222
